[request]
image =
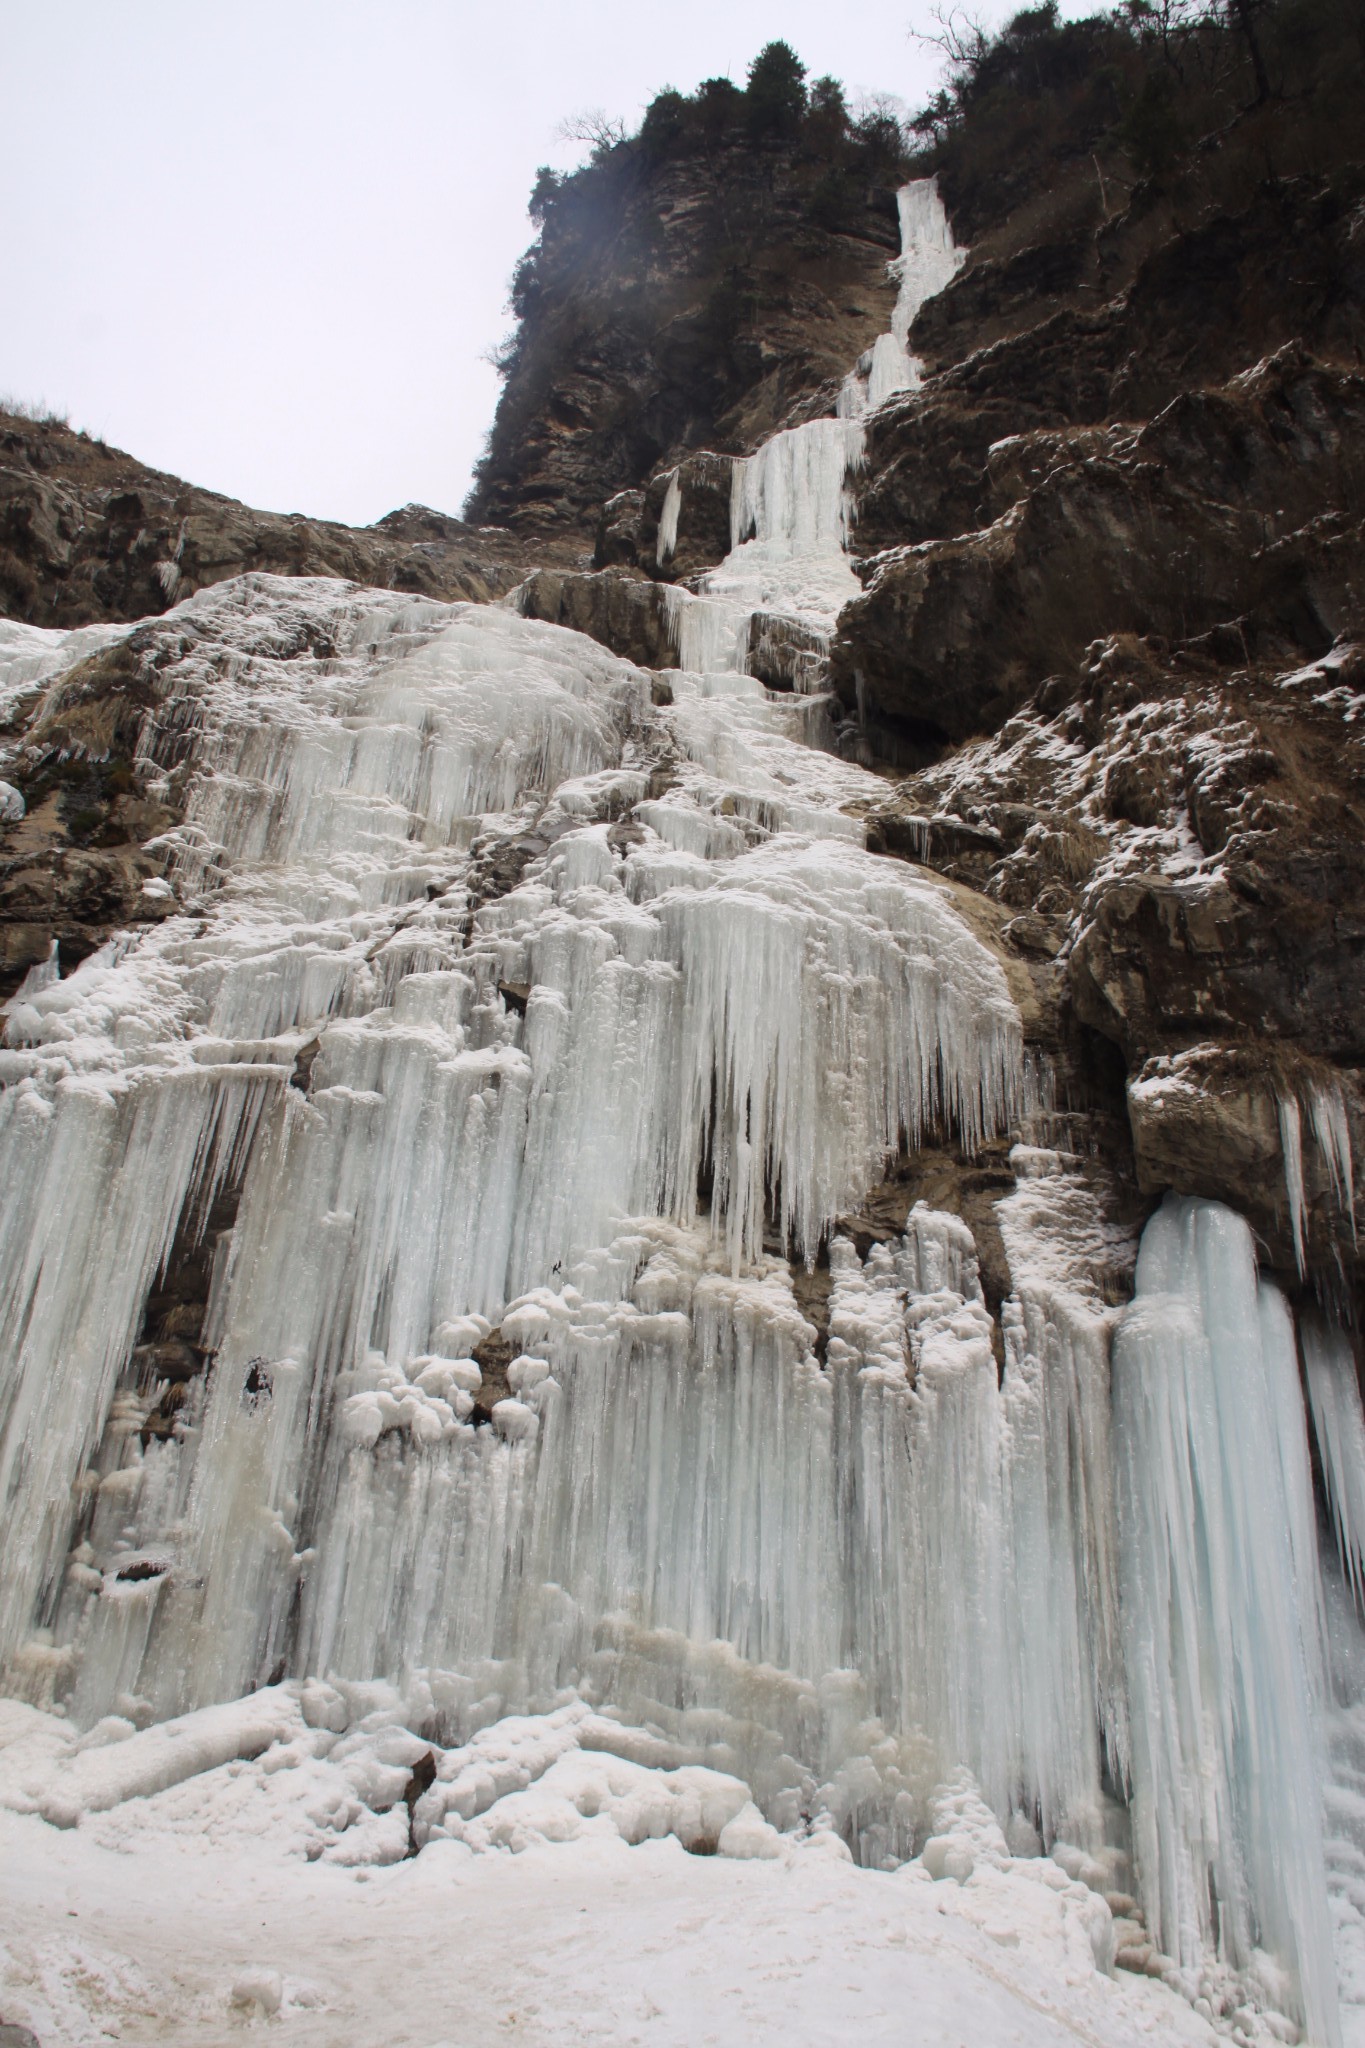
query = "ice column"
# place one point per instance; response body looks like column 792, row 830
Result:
column 1338, row 1425
column 1218, row 1588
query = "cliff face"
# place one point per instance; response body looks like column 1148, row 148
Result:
column 686, row 301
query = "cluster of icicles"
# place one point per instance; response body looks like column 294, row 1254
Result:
column 511, row 1013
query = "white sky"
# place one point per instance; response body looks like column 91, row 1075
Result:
column 263, row 243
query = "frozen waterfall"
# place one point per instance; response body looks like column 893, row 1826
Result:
column 460, row 1249
column 791, row 507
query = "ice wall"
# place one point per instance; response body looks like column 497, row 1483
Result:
column 728, row 993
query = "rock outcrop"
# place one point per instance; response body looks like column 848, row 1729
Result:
column 89, row 533
column 1210, row 514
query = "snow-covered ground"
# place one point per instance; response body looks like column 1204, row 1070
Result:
column 194, row 1914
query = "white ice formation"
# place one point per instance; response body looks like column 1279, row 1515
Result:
column 518, row 1059
column 791, row 507
column 929, row 260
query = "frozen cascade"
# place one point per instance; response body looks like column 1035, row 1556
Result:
column 928, row 261
column 733, row 985
column 790, row 507
column 1219, row 1585
column 532, row 1037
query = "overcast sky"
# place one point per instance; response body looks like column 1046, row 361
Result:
column 264, row 243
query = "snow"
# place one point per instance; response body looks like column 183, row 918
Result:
column 186, row 1912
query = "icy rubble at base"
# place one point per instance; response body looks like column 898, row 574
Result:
column 522, row 1808
column 187, row 1913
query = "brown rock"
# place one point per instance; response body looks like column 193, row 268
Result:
column 618, row 607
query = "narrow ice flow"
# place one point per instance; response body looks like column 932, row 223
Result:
column 929, row 260
column 1339, row 1429
column 791, row 504
column 1222, row 1633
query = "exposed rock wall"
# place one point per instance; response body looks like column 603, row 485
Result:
column 89, row 533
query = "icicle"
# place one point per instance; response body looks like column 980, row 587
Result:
column 1332, row 1130
column 1291, row 1147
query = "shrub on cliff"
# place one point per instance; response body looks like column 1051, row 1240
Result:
column 1207, row 97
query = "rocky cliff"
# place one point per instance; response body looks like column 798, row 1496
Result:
column 694, row 287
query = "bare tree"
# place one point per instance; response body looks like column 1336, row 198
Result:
column 962, row 37
column 593, row 125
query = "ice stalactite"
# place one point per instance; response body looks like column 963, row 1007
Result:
column 1219, row 1587
column 667, row 539
column 1331, row 1136
column 1332, row 1131
column 1291, row 1148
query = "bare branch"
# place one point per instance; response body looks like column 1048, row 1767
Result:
column 962, row 37
column 593, row 125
